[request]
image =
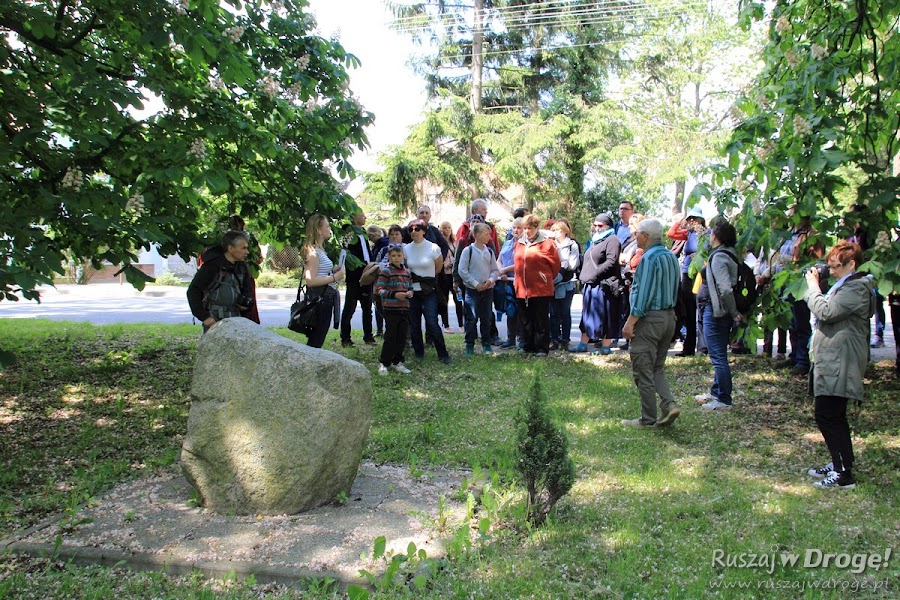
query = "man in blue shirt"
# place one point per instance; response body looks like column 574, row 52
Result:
column 651, row 324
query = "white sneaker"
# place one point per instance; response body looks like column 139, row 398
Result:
column 382, row 370
column 401, row 368
column 822, row 472
column 716, row 405
column 703, row 398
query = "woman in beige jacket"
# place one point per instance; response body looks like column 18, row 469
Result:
column 840, row 351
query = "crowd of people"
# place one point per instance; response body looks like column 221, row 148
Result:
column 635, row 290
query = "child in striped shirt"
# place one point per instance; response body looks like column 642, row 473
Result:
column 394, row 287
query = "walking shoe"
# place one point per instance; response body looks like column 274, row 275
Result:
column 401, row 368
column 821, row 472
column 347, row 344
column 683, row 354
column 486, row 349
column 799, row 370
column 446, row 359
column 495, row 341
column 540, row 354
column 554, row 345
column 470, row 350
column 785, row 364
column 704, row 398
column 382, row 370
column 837, row 481
column 624, row 345
column 779, row 357
column 716, row 405
column 877, row 342
column 635, row 423
column 370, row 341
column 507, row 345
column 582, row 347
column 668, row 418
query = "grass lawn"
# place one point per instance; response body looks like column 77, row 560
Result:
column 85, row 407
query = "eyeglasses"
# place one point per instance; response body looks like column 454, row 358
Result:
column 417, row 228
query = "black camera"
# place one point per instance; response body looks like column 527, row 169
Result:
column 824, row 273
column 245, row 301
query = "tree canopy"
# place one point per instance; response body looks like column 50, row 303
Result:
column 818, row 133
column 125, row 125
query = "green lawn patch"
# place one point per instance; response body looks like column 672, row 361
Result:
column 85, row 407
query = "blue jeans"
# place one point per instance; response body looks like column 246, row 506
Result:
column 561, row 318
column 478, row 308
column 426, row 306
column 718, row 333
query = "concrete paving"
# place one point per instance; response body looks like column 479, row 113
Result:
column 151, row 524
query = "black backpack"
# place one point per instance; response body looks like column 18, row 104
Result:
column 745, row 292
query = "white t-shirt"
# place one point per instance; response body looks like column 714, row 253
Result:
column 420, row 259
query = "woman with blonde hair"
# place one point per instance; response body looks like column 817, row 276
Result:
column 321, row 276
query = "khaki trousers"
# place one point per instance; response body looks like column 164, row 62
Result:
column 652, row 336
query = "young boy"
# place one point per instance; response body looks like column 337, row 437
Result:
column 394, row 287
column 478, row 271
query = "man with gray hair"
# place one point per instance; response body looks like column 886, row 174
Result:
column 651, row 324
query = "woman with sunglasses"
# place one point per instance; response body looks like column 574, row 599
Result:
column 424, row 261
column 839, row 353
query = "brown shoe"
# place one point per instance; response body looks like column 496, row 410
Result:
column 668, row 418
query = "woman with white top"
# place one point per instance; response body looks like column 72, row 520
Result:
column 424, row 261
column 321, row 276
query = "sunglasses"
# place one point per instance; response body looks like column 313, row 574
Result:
column 417, row 228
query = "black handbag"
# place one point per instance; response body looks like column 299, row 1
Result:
column 303, row 312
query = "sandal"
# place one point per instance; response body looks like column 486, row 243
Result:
column 604, row 350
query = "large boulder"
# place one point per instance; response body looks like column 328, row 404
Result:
column 275, row 427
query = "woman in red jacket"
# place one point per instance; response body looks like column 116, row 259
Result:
column 536, row 263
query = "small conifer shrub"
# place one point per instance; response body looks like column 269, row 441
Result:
column 542, row 454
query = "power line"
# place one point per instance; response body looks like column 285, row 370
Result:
column 528, row 15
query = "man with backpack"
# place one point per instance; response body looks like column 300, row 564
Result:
column 222, row 287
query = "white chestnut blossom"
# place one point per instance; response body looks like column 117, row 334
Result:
column 73, row 179
column 782, row 25
column 311, row 104
column 818, row 52
column 792, row 58
column 216, row 84
column 182, row 7
column 135, row 203
column 882, row 242
column 302, row 63
column 801, row 126
column 269, row 87
column 765, row 150
column 234, row 33
column 198, row 149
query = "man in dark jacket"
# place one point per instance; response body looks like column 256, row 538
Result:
column 222, row 287
column 356, row 292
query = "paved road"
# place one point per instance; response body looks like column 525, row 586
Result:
column 105, row 303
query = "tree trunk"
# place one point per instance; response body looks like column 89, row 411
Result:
column 679, row 195
column 477, row 58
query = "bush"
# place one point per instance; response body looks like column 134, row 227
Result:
column 271, row 279
column 168, row 278
column 542, row 454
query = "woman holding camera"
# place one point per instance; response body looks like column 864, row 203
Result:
column 840, row 351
